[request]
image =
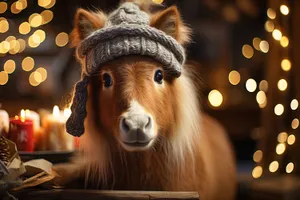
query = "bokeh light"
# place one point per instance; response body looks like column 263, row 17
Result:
column 284, row 41
column 279, row 109
column 215, row 98
column 47, row 16
column 291, row 139
column 4, row 47
column 294, row 104
column 273, row 167
column 280, row 148
column 3, row 7
column 277, row 34
column 284, row 9
column 251, row 85
column 289, row 167
column 34, row 78
column 24, row 28
column 264, row 46
column 286, row 64
column 4, row 25
column 9, row 66
column 15, row 8
column 257, row 156
column 271, row 13
column 43, row 73
column 27, row 64
column 46, row 3
column 35, row 20
column 269, row 26
column 295, row 123
column 62, row 39
column 3, row 78
column 282, row 84
column 234, row 77
column 257, row 172
column 282, row 137
column 261, row 97
column 247, row 51
column 263, row 85
column 256, row 41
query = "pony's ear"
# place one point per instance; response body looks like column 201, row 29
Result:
column 170, row 22
column 85, row 23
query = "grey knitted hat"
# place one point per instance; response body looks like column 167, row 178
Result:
column 127, row 31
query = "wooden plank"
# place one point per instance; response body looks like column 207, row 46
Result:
column 103, row 194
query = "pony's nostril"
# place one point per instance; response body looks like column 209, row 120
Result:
column 125, row 126
column 149, row 123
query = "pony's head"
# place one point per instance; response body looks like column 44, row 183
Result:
column 135, row 96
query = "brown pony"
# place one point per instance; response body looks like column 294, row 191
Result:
column 144, row 129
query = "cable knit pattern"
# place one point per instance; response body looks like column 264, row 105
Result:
column 126, row 32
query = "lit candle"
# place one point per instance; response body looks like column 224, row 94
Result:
column 21, row 132
column 35, row 117
column 4, row 123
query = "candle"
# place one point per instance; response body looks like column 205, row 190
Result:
column 57, row 137
column 4, row 123
column 21, row 132
column 35, row 117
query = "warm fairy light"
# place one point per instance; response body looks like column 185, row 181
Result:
column 56, row 111
column 261, row 97
column 282, row 137
column 22, row 45
column 67, row 112
column 15, row 8
column 251, row 85
column 284, row 41
column 282, row 84
column 43, row 73
column 263, row 85
column 9, row 66
column 27, row 64
column 280, row 148
column 257, row 156
column 35, row 20
column 10, row 38
column 215, row 98
column 21, row 4
column 14, row 46
column 278, row 109
column 257, row 172
column 4, row 47
column 3, row 78
column 46, row 3
column 47, row 16
column 284, row 9
column 263, row 105
column 247, row 51
column 286, row 65
column 62, row 39
column 271, row 13
column 234, row 77
column 41, row 34
column 295, row 123
column 291, row 139
column 294, row 104
column 35, row 78
column 22, row 115
column 264, row 46
column 3, row 7
column 4, row 25
column 24, row 28
column 289, row 167
column 273, row 167
column 269, row 26
column 33, row 41
column 277, row 34
column 256, row 41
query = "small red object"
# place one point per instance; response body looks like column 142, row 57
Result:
column 76, row 142
column 21, row 132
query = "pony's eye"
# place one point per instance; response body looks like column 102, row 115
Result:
column 158, row 76
column 107, row 80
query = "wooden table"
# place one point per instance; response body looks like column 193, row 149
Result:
column 102, row 194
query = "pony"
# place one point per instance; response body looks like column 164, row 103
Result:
column 144, row 128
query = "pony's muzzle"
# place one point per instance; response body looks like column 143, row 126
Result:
column 136, row 130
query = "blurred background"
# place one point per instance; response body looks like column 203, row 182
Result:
column 245, row 50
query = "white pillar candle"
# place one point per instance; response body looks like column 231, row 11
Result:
column 4, row 122
column 35, row 117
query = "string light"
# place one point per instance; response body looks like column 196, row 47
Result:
column 279, row 109
column 286, row 65
column 284, row 10
column 251, row 85
column 247, row 51
column 291, row 139
column 4, row 47
column 261, row 97
column 3, row 78
column 289, row 167
column 277, row 34
column 24, row 28
column 282, row 137
column 263, row 85
column 27, row 64
column 257, row 172
column 215, row 98
column 4, row 25
column 234, row 77
column 269, row 26
column 47, row 16
column 280, row 148
column 295, row 123
column 22, row 45
column 257, row 156
column 264, row 46
column 43, row 73
column 35, row 20
column 256, row 42
column 284, row 41
column 294, row 104
column 282, row 84
column 62, row 39
column 271, row 13
column 34, row 79
column 41, row 34
column 9, row 66
column 273, row 167
column 46, row 3
column 3, row 7
column 14, row 8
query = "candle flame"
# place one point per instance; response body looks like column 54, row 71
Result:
column 67, row 112
column 27, row 112
column 56, row 111
column 22, row 115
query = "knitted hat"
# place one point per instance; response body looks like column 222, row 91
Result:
column 127, row 31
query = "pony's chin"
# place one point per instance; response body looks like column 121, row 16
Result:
column 137, row 146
